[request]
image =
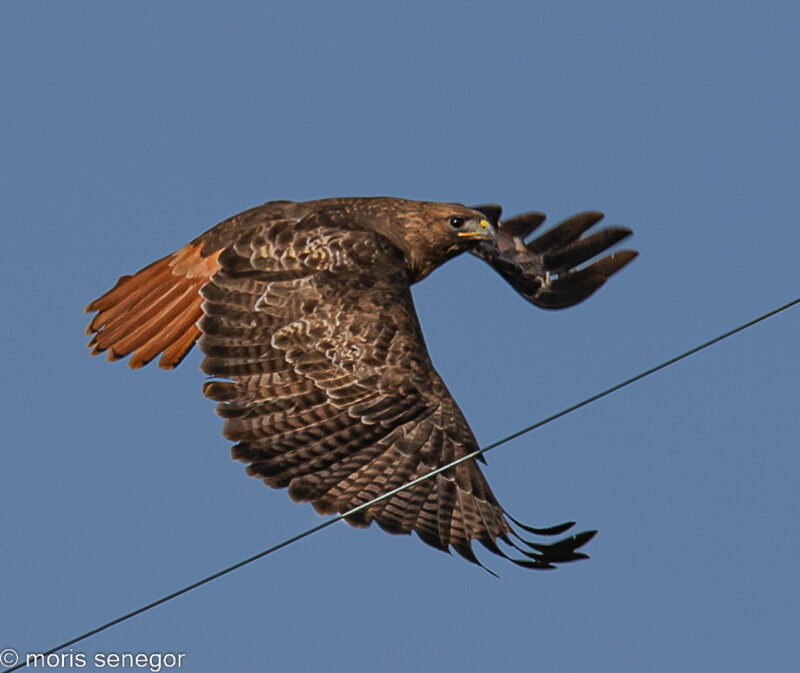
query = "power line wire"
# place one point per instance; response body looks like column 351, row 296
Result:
column 389, row 494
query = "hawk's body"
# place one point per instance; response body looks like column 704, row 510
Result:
column 305, row 311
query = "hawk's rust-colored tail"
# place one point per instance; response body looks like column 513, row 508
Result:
column 154, row 310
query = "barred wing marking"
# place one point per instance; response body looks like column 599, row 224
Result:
column 331, row 391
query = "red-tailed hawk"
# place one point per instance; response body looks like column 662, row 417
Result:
column 304, row 314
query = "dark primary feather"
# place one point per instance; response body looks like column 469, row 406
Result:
column 546, row 270
column 328, row 389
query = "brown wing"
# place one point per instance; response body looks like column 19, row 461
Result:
column 547, row 271
column 331, row 392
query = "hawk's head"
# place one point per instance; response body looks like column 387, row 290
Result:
column 428, row 233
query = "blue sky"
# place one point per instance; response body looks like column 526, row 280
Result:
column 128, row 129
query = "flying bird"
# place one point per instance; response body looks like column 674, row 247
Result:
column 304, row 314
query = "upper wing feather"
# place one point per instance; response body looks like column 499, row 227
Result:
column 330, row 390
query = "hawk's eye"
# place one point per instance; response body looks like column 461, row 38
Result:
column 456, row 222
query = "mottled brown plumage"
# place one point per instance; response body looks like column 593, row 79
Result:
column 305, row 317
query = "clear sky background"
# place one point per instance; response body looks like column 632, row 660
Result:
column 129, row 128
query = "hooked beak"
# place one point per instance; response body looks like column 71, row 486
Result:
column 482, row 230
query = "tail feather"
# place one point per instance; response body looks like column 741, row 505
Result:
column 154, row 310
column 181, row 321
column 128, row 291
column 122, row 322
column 122, row 289
column 182, row 345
